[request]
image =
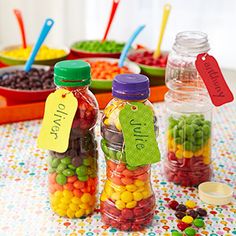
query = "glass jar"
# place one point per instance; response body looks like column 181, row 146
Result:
column 73, row 174
column 189, row 113
column 127, row 200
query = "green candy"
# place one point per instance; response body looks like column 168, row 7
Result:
column 190, row 231
column 176, row 233
column 172, row 122
column 87, row 162
column 188, row 130
column 55, row 162
column 197, row 121
column 187, row 145
column 104, row 147
column 119, row 155
column 61, row 167
column 68, row 172
column 66, row 160
column 51, row 170
column 83, row 178
column 72, row 167
column 112, row 153
column 82, row 170
column 61, row 179
column 181, row 123
column 199, row 134
column 179, row 140
column 206, row 129
column 198, row 223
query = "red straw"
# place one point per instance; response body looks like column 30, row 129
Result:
column 21, row 25
column 112, row 14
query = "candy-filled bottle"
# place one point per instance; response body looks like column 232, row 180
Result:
column 189, row 113
column 73, row 174
column 127, row 200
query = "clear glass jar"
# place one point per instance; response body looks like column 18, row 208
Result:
column 73, row 174
column 189, row 113
column 127, row 200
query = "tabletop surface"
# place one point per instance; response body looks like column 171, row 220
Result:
column 24, row 205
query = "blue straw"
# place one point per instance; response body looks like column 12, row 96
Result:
column 128, row 45
column 44, row 32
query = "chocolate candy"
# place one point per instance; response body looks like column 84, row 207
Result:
column 180, row 214
column 190, row 231
column 173, row 204
column 201, row 212
column 35, row 79
column 181, row 207
column 192, row 213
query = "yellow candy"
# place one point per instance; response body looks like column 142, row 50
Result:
column 115, row 196
column 88, row 211
column 67, row 194
column 120, row 205
column 187, row 219
column 131, row 187
column 187, row 154
column 74, row 207
column 80, row 213
column 58, row 194
column 109, row 189
column 138, row 183
column 86, row 197
column 104, row 196
column 126, row 196
column 131, row 204
column 120, row 189
column 190, row 204
column 180, row 147
column 65, row 200
column 198, row 153
column 61, row 212
column 146, row 194
column 179, row 154
column 55, row 200
column 70, row 213
column 106, row 122
column 63, row 206
column 84, row 206
column 76, row 200
column 207, row 160
column 137, row 196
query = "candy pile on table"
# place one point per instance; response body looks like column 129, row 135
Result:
column 106, row 70
column 44, row 53
column 146, row 58
column 188, row 216
column 127, row 201
column 189, row 150
column 108, row 46
column 73, row 174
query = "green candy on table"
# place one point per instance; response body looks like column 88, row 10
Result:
column 66, row 160
column 82, row 170
column 61, row 167
column 198, row 223
column 68, row 172
column 176, row 233
column 61, row 179
column 190, row 231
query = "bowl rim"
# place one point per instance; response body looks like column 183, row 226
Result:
column 26, row 90
column 83, row 51
column 111, row 59
column 132, row 51
column 65, row 48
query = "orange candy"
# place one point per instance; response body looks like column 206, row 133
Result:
column 77, row 193
column 69, row 186
column 111, row 165
column 52, row 178
column 128, row 173
column 127, row 181
column 71, row 179
column 120, row 167
column 143, row 177
column 58, row 187
column 78, row 184
column 116, row 180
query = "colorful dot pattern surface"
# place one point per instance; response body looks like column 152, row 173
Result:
column 24, row 202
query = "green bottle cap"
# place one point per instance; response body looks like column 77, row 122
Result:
column 72, row 73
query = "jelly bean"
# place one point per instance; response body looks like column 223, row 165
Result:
column 71, row 179
column 173, row 204
column 137, row 196
column 182, row 226
column 176, row 233
column 138, row 211
column 131, row 204
column 201, row 212
column 68, row 172
column 180, row 214
column 115, row 196
column 52, row 178
column 120, row 204
column 86, row 197
column 139, row 183
column 66, row 160
column 61, row 179
column 117, row 181
column 192, row 213
column 67, row 194
column 127, row 214
column 131, row 187
column 76, row 200
column 198, row 223
column 61, row 167
column 190, row 231
column 127, row 181
column 87, row 162
column 72, row 167
column 126, row 196
column 190, row 204
column 77, row 193
column 127, row 173
column 68, row 186
column 83, row 178
column 187, row 219
column 55, row 162
column 82, row 170
column 78, row 184
column 181, row 207
column 80, row 213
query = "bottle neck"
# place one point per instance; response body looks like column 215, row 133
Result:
column 75, row 88
column 191, row 43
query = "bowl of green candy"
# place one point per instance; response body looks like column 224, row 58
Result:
column 97, row 48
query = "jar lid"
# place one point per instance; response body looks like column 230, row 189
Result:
column 72, row 73
column 131, row 87
column 215, row 193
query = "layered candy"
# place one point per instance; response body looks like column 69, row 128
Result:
column 189, row 150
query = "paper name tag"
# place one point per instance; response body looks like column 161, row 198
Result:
column 213, row 78
column 137, row 124
column 60, row 109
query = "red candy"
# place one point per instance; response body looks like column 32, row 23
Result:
column 182, row 226
column 173, row 204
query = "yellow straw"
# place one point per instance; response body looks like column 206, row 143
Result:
column 166, row 12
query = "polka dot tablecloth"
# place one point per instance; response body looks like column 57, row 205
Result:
column 24, row 205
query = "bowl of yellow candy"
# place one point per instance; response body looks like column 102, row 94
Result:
column 16, row 55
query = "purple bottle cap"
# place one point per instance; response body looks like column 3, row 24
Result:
column 131, row 87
